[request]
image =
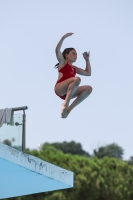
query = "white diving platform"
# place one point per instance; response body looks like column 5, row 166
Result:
column 23, row 174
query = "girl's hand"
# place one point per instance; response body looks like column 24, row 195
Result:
column 67, row 35
column 86, row 55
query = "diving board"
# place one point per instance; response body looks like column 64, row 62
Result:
column 24, row 174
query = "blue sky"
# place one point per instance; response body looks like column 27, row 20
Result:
column 29, row 33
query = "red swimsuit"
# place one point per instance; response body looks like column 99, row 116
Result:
column 68, row 72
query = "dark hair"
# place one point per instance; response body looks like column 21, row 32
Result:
column 66, row 51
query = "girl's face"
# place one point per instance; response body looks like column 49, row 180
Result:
column 72, row 56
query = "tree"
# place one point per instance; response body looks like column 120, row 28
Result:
column 112, row 150
column 94, row 179
column 7, row 142
column 131, row 160
column 69, row 147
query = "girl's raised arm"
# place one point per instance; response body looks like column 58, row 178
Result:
column 58, row 47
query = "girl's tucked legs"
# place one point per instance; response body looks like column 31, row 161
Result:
column 71, row 88
column 70, row 92
column 82, row 93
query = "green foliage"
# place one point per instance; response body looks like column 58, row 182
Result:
column 131, row 160
column 7, row 142
column 56, row 196
column 112, row 150
column 68, row 147
column 10, row 143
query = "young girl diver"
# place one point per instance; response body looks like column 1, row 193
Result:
column 67, row 86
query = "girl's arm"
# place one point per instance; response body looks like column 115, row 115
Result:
column 58, row 47
column 87, row 71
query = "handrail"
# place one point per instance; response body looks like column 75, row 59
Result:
column 20, row 108
column 24, row 125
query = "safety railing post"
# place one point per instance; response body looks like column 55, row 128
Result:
column 24, row 132
column 23, row 125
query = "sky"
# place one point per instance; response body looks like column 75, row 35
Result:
column 29, row 33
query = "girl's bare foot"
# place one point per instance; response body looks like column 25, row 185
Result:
column 68, row 111
column 63, row 111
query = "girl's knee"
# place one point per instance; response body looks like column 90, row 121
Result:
column 77, row 80
column 89, row 89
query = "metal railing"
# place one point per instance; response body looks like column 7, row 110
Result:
column 14, row 133
column 23, row 125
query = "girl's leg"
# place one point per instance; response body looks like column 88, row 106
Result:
column 81, row 93
column 68, row 87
